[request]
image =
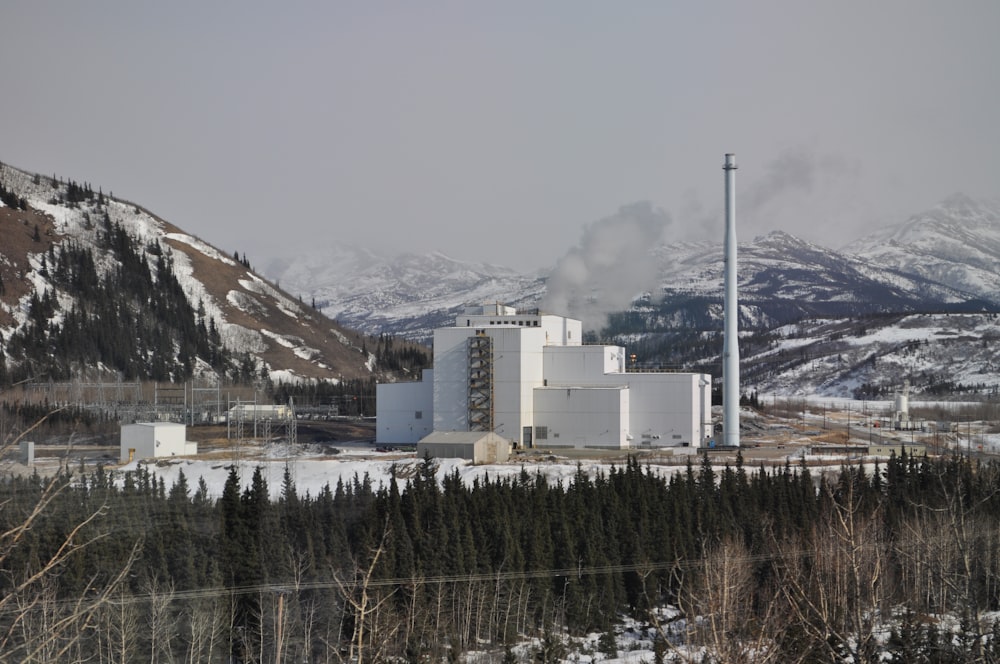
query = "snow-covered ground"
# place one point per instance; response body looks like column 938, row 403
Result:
column 312, row 469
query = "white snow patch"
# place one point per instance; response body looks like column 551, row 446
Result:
column 257, row 285
column 246, row 303
column 201, row 246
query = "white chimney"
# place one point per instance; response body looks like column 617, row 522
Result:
column 731, row 343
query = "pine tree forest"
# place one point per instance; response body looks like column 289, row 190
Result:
column 135, row 319
column 774, row 565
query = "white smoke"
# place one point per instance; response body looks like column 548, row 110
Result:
column 610, row 267
column 792, row 192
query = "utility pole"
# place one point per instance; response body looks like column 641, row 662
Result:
column 848, row 423
column 278, row 645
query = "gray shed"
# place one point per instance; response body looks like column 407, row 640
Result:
column 478, row 446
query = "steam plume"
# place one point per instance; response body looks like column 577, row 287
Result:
column 610, row 266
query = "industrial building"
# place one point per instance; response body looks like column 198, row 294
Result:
column 527, row 377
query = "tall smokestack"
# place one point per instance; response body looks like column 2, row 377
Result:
column 731, row 347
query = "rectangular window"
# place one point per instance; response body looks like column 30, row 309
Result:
column 418, row 415
column 542, row 433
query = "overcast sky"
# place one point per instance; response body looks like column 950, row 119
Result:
column 497, row 131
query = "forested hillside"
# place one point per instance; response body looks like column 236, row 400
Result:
column 762, row 566
column 96, row 288
column 134, row 319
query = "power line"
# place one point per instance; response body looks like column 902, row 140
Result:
column 413, row 581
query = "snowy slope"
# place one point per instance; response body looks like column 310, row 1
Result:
column 289, row 339
column 783, row 267
column 956, row 243
column 938, row 353
column 408, row 295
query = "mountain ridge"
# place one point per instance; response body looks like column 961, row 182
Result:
column 784, row 280
column 265, row 331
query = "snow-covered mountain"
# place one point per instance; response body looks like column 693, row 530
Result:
column 63, row 241
column 946, row 260
column 915, row 266
column 407, row 295
column 782, row 276
column 956, row 243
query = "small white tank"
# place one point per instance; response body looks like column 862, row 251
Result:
column 902, row 407
column 902, row 404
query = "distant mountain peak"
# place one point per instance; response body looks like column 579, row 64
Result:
column 958, row 201
column 955, row 243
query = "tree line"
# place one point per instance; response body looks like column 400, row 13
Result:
column 764, row 565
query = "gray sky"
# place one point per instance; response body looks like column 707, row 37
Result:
column 498, row 131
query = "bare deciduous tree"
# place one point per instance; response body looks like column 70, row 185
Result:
column 366, row 602
column 834, row 582
column 43, row 626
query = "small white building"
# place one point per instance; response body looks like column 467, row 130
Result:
column 152, row 440
column 527, row 377
column 480, row 447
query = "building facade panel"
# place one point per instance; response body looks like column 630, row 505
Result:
column 670, row 409
column 581, row 365
column 582, row 417
column 408, row 411
column 451, row 379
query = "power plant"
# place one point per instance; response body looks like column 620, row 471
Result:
column 731, row 341
column 525, row 377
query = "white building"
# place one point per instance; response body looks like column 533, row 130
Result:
column 479, row 446
column 149, row 440
column 527, row 377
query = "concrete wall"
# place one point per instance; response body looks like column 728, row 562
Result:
column 451, row 379
column 405, row 410
column 560, row 331
column 518, row 370
column 582, row 417
column 27, row 452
